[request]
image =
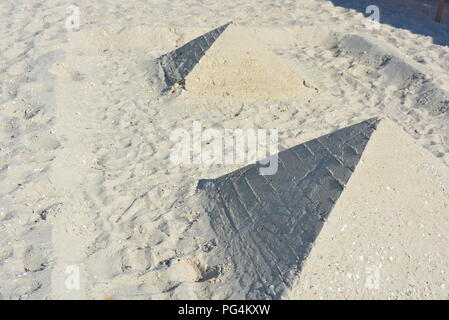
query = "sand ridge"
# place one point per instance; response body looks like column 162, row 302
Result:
column 230, row 62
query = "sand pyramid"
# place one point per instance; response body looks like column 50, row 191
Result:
column 265, row 225
column 180, row 62
column 387, row 235
column 228, row 62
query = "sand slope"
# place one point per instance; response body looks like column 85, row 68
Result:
column 228, row 62
column 387, row 235
column 85, row 174
column 264, row 226
column 236, row 65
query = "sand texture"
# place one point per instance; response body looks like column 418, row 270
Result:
column 93, row 207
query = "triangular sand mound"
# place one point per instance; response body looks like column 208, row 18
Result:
column 264, row 225
column 180, row 62
column 227, row 62
column 387, row 237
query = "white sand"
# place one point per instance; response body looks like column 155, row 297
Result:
column 86, row 180
column 386, row 237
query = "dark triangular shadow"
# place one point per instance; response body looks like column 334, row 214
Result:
column 176, row 65
column 265, row 225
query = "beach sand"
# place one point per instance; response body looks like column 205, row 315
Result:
column 91, row 205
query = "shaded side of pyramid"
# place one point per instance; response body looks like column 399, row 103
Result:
column 265, row 225
column 177, row 64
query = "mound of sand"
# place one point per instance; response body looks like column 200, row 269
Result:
column 387, row 235
column 265, row 227
column 227, row 62
column 404, row 75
